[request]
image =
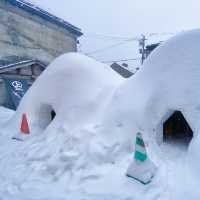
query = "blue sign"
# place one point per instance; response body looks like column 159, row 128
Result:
column 16, row 88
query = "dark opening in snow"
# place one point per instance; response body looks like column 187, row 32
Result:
column 53, row 114
column 46, row 115
column 177, row 129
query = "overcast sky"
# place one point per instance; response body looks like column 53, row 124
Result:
column 126, row 19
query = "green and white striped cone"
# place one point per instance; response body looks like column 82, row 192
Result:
column 142, row 168
column 140, row 151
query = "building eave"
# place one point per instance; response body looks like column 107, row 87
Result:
column 20, row 64
column 28, row 7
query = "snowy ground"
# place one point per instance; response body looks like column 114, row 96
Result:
column 83, row 154
column 49, row 168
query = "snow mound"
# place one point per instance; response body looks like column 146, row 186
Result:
column 76, row 87
column 168, row 81
column 85, row 151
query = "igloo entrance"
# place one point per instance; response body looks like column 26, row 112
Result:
column 177, row 129
column 46, row 115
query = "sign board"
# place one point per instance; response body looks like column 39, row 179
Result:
column 16, row 88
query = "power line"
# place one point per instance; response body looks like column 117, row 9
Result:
column 114, row 37
column 123, row 41
column 122, row 60
column 109, row 47
column 108, row 37
column 159, row 34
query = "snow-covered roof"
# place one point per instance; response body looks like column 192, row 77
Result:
column 121, row 70
column 45, row 15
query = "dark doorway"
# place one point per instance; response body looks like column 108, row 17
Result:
column 177, row 129
column 53, row 114
column 46, row 115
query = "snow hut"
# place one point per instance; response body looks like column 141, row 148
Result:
column 162, row 99
column 72, row 91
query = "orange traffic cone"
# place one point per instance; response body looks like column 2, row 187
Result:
column 24, row 125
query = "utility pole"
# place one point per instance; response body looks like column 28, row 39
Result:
column 142, row 48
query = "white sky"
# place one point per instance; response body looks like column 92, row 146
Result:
column 124, row 18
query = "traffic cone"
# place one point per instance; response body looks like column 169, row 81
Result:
column 24, row 125
column 142, row 168
column 140, row 150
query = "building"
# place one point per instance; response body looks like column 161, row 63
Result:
column 145, row 50
column 30, row 39
column 28, row 31
column 149, row 48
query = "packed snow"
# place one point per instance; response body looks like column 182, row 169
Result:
column 76, row 87
column 85, row 151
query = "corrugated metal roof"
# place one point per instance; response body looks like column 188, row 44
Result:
column 45, row 15
column 121, row 70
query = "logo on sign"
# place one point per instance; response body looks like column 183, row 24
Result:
column 17, row 85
